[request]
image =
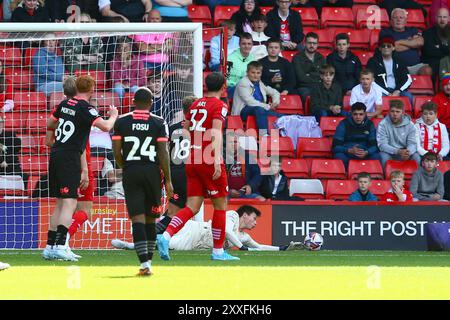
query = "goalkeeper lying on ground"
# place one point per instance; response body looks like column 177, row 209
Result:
column 197, row 235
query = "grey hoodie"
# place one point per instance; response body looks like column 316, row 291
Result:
column 392, row 137
column 424, row 185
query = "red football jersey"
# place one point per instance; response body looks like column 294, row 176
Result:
column 392, row 197
column 201, row 115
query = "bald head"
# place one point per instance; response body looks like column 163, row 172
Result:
column 154, row 16
column 442, row 17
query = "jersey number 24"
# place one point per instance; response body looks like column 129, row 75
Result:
column 145, row 150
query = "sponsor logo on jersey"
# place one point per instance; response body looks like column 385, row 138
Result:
column 213, row 192
column 64, row 190
column 93, row 111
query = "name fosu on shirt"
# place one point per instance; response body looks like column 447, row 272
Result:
column 140, row 126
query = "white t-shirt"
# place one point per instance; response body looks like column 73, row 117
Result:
column 390, row 79
column 371, row 99
column 99, row 139
column 103, row 3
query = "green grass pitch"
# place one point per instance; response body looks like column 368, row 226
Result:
column 258, row 275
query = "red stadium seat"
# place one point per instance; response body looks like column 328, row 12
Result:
column 281, row 146
column 363, row 56
column 101, row 82
column 208, row 34
column 373, row 167
column 340, row 189
column 326, row 38
column 374, row 36
column 405, row 100
column 30, row 101
column 306, row 188
column 376, row 121
column 347, row 105
column 324, row 51
column 289, row 55
column 337, row 17
column 10, row 56
column 295, row 168
column 36, row 122
column 418, row 102
column 21, row 78
column 54, row 99
column 42, row 147
column 363, row 17
column 444, row 166
column 359, row 39
column 222, row 13
column 308, row 15
column 29, row 143
column 28, row 55
column 34, row 165
column 314, row 147
column 265, row 10
column 380, row 187
column 328, row 169
column 328, row 125
column 421, row 85
column 234, row 122
column 408, row 167
column 416, row 19
column 290, row 104
column 14, row 121
column 251, row 123
column 201, row 14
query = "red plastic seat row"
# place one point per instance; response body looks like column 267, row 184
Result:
column 342, row 189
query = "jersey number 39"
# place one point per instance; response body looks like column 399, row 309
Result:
column 64, row 131
column 145, row 150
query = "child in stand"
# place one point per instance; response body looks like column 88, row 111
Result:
column 398, row 192
column 427, row 183
column 363, row 193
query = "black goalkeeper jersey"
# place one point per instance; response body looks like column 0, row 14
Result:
column 75, row 118
column 139, row 131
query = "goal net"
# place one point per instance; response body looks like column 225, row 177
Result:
column 167, row 58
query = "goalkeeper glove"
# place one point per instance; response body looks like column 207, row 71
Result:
column 243, row 248
column 283, row 248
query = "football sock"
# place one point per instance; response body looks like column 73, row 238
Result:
column 219, row 252
column 150, row 232
column 178, row 222
column 162, row 224
column 218, row 228
column 61, row 234
column 140, row 241
column 51, row 237
column 79, row 217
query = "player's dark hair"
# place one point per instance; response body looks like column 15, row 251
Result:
column 312, row 35
column 85, row 84
column 143, row 98
column 431, row 156
column 342, row 36
column 273, row 40
column 248, row 210
column 327, row 68
column 363, row 175
column 365, row 72
column 215, row 81
column 254, row 65
column 358, row 106
column 70, row 87
column 245, row 35
column 258, row 17
column 429, row 106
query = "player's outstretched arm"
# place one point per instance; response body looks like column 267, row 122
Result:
column 164, row 163
column 117, row 150
column 107, row 125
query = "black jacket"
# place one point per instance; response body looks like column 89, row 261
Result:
column 274, row 25
column 240, row 17
column 307, row 71
column 402, row 78
column 347, row 70
column 20, row 14
column 267, row 185
column 434, row 49
column 282, row 66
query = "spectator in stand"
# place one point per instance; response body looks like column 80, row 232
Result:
column 6, row 95
column 427, row 183
column 114, row 187
column 408, row 42
column 173, row 10
column 326, row 98
column 355, row 137
column 259, row 49
column 10, row 146
column 30, row 11
column 442, row 99
column 338, row 3
column 286, row 25
column 398, row 191
column 111, row 42
column 396, row 135
column 437, row 41
column 238, row 61
column 363, row 193
column 216, row 46
column 250, row 98
column 347, row 65
column 164, row 97
column 444, row 68
column 307, row 64
column 391, row 75
column 85, row 53
column 317, row 4
column 67, row 10
column 130, row 10
column 432, row 136
column 127, row 71
column 48, row 67
column 243, row 17
column 391, row 5
column 435, row 6
column 277, row 71
column 275, row 184
column 369, row 93
column 244, row 175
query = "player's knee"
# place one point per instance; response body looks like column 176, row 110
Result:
column 140, row 218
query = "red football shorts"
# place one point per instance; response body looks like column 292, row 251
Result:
column 201, row 184
column 88, row 193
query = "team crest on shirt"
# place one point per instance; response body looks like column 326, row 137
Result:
column 224, row 112
column 93, row 111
